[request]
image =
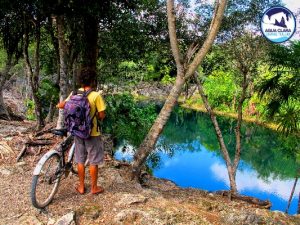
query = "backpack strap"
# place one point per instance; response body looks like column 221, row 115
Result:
column 86, row 93
column 74, row 92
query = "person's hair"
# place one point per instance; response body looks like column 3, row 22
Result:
column 87, row 76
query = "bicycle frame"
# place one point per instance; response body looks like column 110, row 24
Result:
column 61, row 151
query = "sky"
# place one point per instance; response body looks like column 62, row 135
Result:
column 292, row 5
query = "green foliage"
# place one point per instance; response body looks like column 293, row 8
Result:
column 47, row 90
column 30, row 109
column 159, row 66
column 48, row 54
column 221, row 89
column 128, row 119
column 288, row 117
column 279, row 87
column 168, row 80
column 3, row 57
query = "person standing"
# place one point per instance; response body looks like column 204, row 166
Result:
column 90, row 148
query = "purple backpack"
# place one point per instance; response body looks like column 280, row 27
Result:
column 77, row 114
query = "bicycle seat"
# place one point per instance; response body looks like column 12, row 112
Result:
column 60, row 132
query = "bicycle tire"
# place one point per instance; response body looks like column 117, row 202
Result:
column 36, row 201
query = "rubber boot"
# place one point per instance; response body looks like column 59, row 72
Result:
column 95, row 189
column 81, row 174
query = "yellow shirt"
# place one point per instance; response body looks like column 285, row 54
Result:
column 96, row 102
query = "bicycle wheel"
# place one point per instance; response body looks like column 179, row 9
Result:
column 45, row 184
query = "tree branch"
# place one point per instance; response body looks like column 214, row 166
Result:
column 214, row 27
column 230, row 168
column 239, row 123
column 213, row 119
column 25, row 50
column 173, row 36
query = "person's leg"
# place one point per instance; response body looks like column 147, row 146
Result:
column 95, row 189
column 81, row 174
column 94, row 146
column 80, row 157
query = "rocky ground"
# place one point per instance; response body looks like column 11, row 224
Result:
column 123, row 202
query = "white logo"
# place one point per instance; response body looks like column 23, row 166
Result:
column 278, row 24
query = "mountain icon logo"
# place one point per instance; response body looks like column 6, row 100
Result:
column 278, row 24
column 281, row 23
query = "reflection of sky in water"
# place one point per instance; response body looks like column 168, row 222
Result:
column 204, row 170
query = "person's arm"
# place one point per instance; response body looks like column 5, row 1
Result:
column 61, row 105
column 100, row 106
column 101, row 115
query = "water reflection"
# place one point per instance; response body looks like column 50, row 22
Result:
column 248, row 181
column 188, row 154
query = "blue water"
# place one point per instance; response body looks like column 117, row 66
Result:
column 195, row 162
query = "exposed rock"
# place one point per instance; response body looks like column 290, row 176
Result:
column 135, row 216
column 68, row 219
column 21, row 164
column 6, row 172
column 108, row 143
column 242, row 218
column 130, row 199
column 51, row 221
column 113, row 176
column 90, row 212
column 5, row 149
column 28, row 220
column 21, row 167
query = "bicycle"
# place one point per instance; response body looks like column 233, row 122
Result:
column 50, row 169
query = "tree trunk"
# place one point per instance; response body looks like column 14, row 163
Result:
column 291, row 196
column 63, row 66
column 74, row 75
column 53, row 101
column 237, row 155
column 90, row 37
column 3, row 111
column 50, row 115
column 149, row 142
column 230, row 168
column 34, row 76
column 5, row 76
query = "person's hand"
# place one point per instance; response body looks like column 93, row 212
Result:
column 101, row 115
column 61, row 105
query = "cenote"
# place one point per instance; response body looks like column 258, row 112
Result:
column 188, row 154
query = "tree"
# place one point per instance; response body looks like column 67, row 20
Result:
column 185, row 69
column 32, row 21
column 80, row 22
column 245, row 54
column 54, row 67
column 63, row 66
column 11, row 31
